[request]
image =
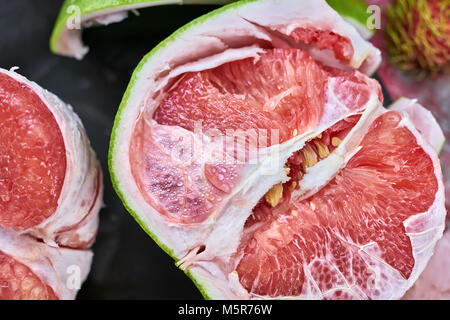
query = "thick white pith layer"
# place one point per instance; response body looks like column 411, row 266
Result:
column 217, row 43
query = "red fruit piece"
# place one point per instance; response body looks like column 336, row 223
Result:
column 32, row 157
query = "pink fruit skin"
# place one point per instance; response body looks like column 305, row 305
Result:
column 433, row 94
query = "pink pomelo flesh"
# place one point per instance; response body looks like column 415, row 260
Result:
column 18, row 282
column 388, row 180
column 32, row 157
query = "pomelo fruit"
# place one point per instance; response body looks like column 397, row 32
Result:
column 50, row 192
column 252, row 146
column 76, row 15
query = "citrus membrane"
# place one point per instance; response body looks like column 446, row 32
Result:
column 261, row 158
column 50, row 181
column 78, row 14
column 33, row 270
column 423, row 120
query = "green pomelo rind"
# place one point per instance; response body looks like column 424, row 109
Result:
column 89, row 7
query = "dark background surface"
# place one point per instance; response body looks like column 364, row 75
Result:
column 127, row 263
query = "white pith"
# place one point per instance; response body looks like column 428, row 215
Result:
column 216, row 43
column 76, row 216
column 54, row 266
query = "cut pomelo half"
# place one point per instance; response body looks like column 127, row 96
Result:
column 78, row 14
column 50, row 179
column 254, row 149
column 32, row 270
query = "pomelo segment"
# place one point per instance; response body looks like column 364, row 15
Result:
column 220, row 70
column 282, row 89
column 32, row 157
column 20, row 283
column 50, row 181
column 280, row 94
column 276, row 94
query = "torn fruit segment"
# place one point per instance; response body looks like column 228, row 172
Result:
column 50, row 192
column 50, row 179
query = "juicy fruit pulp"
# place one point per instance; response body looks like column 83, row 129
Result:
column 328, row 238
column 18, row 282
column 32, row 157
